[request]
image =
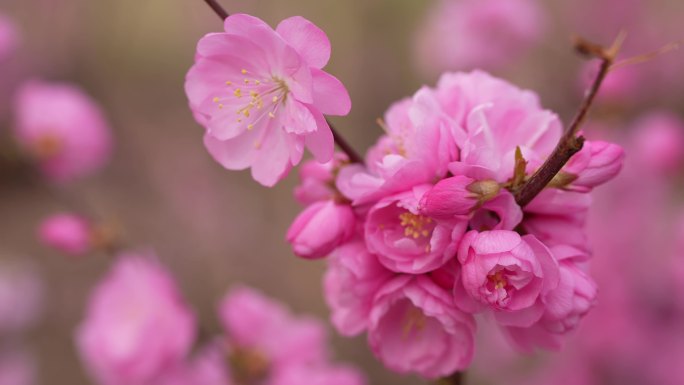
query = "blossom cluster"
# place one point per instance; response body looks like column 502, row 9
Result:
column 427, row 233
column 139, row 330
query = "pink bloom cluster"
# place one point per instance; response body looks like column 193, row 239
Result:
column 427, row 233
column 139, row 330
column 261, row 94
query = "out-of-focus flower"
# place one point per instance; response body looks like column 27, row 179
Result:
column 62, row 129
column 320, row 375
column 320, row 228
column 414, row 328
column 21, row 297
column 267, row 335
column 467, row 34
column 659, row 141
column 67, row 233
column 261, row 95
column 207, row 367
column 17, row 368
column 8, row 37
column 137, row 325
column 351, row 282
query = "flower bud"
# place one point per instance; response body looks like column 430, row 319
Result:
column 320, row 228
column 457, row 195
column 67, row 233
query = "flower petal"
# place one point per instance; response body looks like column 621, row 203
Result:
column 329, row 94
column 309, row 40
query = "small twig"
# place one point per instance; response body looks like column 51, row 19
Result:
column 218, row 9
column 454, row 379
column 569, row 144
column 353, row 156
column 648, row 56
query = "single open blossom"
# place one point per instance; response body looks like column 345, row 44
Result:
column 406, row 241
column 353, row 278
column 137, row 326
column 507, row 273
column 8, row 37
column 261, row 95
column 320, row 228
column 466, row 34
column 415, row 328
column 266, row 331
column 62, row 129
column 68, row 233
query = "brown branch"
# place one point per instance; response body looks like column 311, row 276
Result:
column 353, row 156
column 569, row 143
column 457, row 378
column 218, row 9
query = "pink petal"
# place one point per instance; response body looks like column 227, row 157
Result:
column 329, row 94
column 234, row 154
column 297, row 118
column 305, row 37
column 320, row 142
column 272, row 161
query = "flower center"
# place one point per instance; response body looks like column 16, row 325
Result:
column 498, row 280
column 254, row 99
column 248, row 365
column 47, row 146
column 415, row 226
column 414, row 321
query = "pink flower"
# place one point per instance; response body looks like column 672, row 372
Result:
column 595, row 164
column 320, row 228
column 8, row 37
column 317, row 180
column 406, row 241
column 495, row 118
column 507, row 273
column 466, row 34
column 261, row 95
column 21, row 297
column 17, row 368
column 659, row 141
column 63, row 129
column 137, row 325
column 565, row 306
column 353, row 278
column 207, row 367
column 415, row 328
column 260, row 327
column 319, row 375
column 456, row 195
column 558, row 217
column 67, row 233
column 417, row 149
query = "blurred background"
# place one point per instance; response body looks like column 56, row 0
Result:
column 214, row 228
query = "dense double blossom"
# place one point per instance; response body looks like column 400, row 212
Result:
column 438, row 235
column 261, row 95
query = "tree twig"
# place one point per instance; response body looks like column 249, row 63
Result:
column 569, row 143
column 353, row 156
